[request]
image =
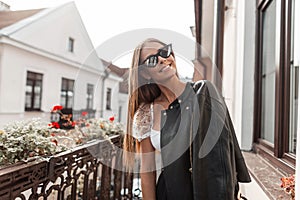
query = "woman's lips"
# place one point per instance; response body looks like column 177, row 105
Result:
column 165, row 68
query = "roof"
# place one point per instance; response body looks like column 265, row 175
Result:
column 121, row 72
column 11, row 17
column 117, row 70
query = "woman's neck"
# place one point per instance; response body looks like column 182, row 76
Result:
column 171, row 90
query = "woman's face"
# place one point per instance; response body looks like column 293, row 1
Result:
column 165, row 68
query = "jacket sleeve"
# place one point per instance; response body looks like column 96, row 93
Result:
column 214, row 147
column 241, row 168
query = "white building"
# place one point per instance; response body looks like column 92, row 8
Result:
column 47, row 58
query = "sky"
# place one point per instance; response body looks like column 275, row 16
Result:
column 106, row 19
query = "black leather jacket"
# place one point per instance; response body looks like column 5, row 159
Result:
column 210, row 168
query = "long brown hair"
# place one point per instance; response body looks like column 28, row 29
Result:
column 140, row 91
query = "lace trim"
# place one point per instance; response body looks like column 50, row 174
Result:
column 142, row 122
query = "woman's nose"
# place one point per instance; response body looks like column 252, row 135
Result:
column 161, row 60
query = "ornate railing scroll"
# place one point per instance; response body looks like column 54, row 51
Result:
column 73, row 174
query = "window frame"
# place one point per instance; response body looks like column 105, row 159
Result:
column 71, row 42
column 90, row 96
column 108, row 98
column 277, row 153
column 35, row 79
column 68, row 82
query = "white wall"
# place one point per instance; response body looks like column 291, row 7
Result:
column 238, row 67
column 111, row 82
column 245, row 67
column 207, row 26
column 123, row 102
column 50, row 29
column 229, row 57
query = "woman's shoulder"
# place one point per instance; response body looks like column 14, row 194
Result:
column 143, row 107
column 142, row 112
column 207, row 88
column 202, row 85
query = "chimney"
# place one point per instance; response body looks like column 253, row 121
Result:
column 4, row 6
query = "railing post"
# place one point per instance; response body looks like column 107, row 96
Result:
column 118, row 175
column 59, row 176
column 105, row 182
column 129, row 183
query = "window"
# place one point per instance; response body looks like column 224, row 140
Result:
column 33, row 94
column 268, row 73
column 294, row 81
column 89, row 96
column 276, row 95
column 108, row 99
column 71, row 44
column 120, row 114
column 67, row 93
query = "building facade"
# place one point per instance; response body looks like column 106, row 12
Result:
column 255, row 46
column 47, row 58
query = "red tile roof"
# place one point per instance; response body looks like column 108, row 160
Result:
column 11, row 17
column 121, row 72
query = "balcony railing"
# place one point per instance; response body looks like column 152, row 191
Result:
column 73, row 174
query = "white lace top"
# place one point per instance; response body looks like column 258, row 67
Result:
column 142, row 125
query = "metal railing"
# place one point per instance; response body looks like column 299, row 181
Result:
column 73, row 174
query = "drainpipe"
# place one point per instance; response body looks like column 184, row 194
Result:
column 218, row 40
column 106, row 73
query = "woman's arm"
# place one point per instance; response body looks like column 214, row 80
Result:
column 148, row 171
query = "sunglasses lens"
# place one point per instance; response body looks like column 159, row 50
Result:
column 151, row 61
column 166, row 52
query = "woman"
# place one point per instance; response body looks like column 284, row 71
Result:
column 188, row 123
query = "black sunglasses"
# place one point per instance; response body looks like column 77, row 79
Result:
column 152, row 60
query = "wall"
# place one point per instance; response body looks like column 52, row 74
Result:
column 13, row 82
column 111, row 82
column 238, row 67
column 245, row 65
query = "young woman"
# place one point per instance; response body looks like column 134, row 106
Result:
column 187, row 123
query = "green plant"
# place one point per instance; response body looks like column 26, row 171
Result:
column 22, row 140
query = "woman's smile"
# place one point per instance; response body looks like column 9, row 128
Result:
column 165, row 68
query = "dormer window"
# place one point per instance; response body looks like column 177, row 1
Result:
column 71, row 44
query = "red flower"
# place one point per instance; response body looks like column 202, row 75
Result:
column 73, row 123
column 111, row 119
column 84, row 113
column 55, row 125
column 56, row 108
